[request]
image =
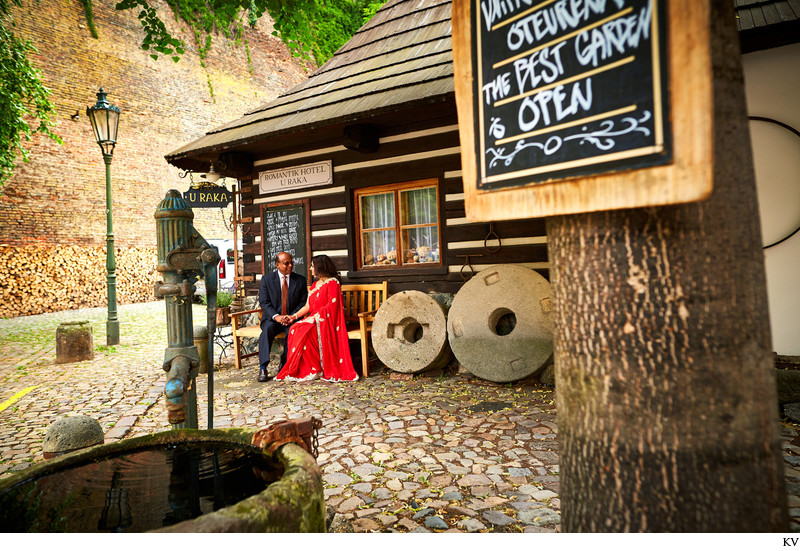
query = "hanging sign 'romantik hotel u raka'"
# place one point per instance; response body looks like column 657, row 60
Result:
column 571, row 106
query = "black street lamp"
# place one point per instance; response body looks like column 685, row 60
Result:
column 105, row 120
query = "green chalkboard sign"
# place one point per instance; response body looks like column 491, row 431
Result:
column 286, row 227
column 568, row 106
column 565, row 89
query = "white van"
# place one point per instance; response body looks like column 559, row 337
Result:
column 226, row 269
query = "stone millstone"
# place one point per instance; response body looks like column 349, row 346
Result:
column 74, row 342
column 72, row 433
column 500, row 325
column 409, row 333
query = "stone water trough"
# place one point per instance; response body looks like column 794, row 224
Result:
column 177, row 481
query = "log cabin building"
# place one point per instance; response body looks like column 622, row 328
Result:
column 365, row 155
column 362, row 162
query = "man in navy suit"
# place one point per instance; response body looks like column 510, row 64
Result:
column 278, row 305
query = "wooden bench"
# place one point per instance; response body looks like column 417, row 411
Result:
column 361, row 302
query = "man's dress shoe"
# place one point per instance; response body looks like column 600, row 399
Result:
column 262, row 376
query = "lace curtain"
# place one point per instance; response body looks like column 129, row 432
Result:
column 418, row 227
column 378, row 225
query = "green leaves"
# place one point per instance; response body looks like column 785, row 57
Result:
column 157, row 38
column 334, row 26
column 308, row 27
column 23, row 96
column 87, row 8
column 371, row 9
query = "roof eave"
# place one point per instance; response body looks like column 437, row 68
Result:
column 190, row 158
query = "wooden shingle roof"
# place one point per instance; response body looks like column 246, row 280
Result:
column 401, row 57
column 752, row 14
column 767, row 23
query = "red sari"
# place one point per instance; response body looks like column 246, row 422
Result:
column 318, row 344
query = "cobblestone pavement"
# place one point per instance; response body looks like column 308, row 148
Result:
column 441, row 452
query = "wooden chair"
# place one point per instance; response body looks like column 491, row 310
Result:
column 361, row 302
column 239, row 332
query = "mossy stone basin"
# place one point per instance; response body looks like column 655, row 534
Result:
column 211, row 481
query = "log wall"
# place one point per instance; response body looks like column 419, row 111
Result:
column 410, row 151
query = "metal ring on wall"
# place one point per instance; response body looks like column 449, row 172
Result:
column 489, row 236
column 796, row 133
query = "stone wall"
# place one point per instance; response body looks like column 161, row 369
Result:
column 58, row 199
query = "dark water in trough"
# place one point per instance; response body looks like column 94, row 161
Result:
column 138, row 491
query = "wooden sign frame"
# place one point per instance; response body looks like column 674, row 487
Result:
column 688, row 175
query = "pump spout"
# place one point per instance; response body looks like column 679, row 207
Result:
column 176, row 388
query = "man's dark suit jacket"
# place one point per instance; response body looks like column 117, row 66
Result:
column 269, row 297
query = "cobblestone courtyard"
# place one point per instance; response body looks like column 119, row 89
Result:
column 441, row 452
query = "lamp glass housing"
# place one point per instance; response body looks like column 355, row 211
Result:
column 212, row 175
column 105, row 122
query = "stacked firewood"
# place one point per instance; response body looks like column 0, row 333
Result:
column 34, row 279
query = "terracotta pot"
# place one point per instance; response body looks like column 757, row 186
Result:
column 224, row 316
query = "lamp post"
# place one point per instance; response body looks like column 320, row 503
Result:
column 105, row 119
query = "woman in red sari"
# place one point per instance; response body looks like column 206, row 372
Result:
column 318, row 344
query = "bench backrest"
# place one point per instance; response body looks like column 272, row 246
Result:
column 363, row 297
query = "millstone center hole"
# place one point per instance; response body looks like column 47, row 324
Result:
column 502, row 321
column 412, row 332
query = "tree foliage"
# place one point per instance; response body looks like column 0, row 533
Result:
column 371, row 9
column 335, row 24
column 23, row 96
column 309, row 28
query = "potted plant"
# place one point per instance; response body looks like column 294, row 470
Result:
column 224, row 300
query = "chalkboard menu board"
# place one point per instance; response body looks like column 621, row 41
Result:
column 285, row 227
column 564, row 89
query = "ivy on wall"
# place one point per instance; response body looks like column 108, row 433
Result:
column 87, row 9
column 311, row 29
column 23, row 96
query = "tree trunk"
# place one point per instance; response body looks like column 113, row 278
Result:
column 666, row 394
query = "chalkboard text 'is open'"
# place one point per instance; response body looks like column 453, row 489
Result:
column 567, row 88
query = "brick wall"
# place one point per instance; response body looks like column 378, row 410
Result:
column 58, row 199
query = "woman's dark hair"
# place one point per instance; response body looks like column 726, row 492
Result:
column 324, row 267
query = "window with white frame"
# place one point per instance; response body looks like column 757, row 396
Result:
column 398, row 225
